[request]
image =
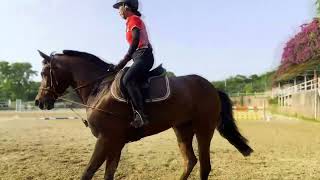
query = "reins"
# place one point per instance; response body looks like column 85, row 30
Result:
column 97, row 79
column 87, row 106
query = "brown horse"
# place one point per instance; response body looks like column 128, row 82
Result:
column 195, row 107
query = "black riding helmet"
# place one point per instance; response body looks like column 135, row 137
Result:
column 133, row 4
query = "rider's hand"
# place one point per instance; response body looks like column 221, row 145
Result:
column 122, row 63
column 116, row 68
column 119, row 66
column 113, row 68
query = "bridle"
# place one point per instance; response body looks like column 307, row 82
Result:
column 52, row 88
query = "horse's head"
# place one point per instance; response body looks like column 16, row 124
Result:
column 55, row 80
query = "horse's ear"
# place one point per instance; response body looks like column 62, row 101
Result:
column 45, row 57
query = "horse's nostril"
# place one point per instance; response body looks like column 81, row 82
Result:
column 36, row 102
column 50, row 106
column 41, row 106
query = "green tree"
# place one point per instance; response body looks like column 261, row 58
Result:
column 248, row 88
column 15, row 81
column 32, row 91
column 220, row 85
column 170, row 74
column 318, row 7
column 4, row 71
column 243, row 84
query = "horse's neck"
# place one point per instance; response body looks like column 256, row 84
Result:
column 84, row 93
column 87, row 76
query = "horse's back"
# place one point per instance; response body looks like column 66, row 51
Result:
column 195, row 92
column 193, row 85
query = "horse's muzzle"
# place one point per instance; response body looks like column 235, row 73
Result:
column 46, row 104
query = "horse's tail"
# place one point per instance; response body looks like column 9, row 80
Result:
column 228, row 128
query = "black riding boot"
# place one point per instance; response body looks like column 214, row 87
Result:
column 140, row 117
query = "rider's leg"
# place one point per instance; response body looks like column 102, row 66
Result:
column 139, row 106
column 143, row 62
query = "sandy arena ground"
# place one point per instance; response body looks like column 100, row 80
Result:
column 31, row 148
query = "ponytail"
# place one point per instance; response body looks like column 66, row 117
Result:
column 136, row 12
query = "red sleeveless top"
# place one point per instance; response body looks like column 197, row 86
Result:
column 135, row 21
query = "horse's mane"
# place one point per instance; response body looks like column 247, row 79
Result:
column 90, row 57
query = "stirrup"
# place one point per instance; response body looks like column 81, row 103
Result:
column 139, row 120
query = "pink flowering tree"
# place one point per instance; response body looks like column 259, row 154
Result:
column 303, row 47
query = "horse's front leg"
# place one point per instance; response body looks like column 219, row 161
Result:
column 98, row 157
column 112, row 163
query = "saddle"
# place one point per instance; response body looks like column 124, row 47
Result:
column 155, row 87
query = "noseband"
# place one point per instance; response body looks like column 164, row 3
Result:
column 52, row 88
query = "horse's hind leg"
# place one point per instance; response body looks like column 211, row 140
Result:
column 185, row 135
column 204, row 139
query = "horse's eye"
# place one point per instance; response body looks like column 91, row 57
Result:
column 42, row 74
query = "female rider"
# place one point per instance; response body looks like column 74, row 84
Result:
column 140, row 51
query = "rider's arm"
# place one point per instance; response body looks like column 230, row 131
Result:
column 135, row 42
column 133, row 47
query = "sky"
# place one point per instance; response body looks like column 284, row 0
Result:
column 212, row 38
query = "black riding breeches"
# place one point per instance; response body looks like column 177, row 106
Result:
column 142, row 62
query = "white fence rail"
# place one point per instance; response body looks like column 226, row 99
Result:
column 313, row 84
